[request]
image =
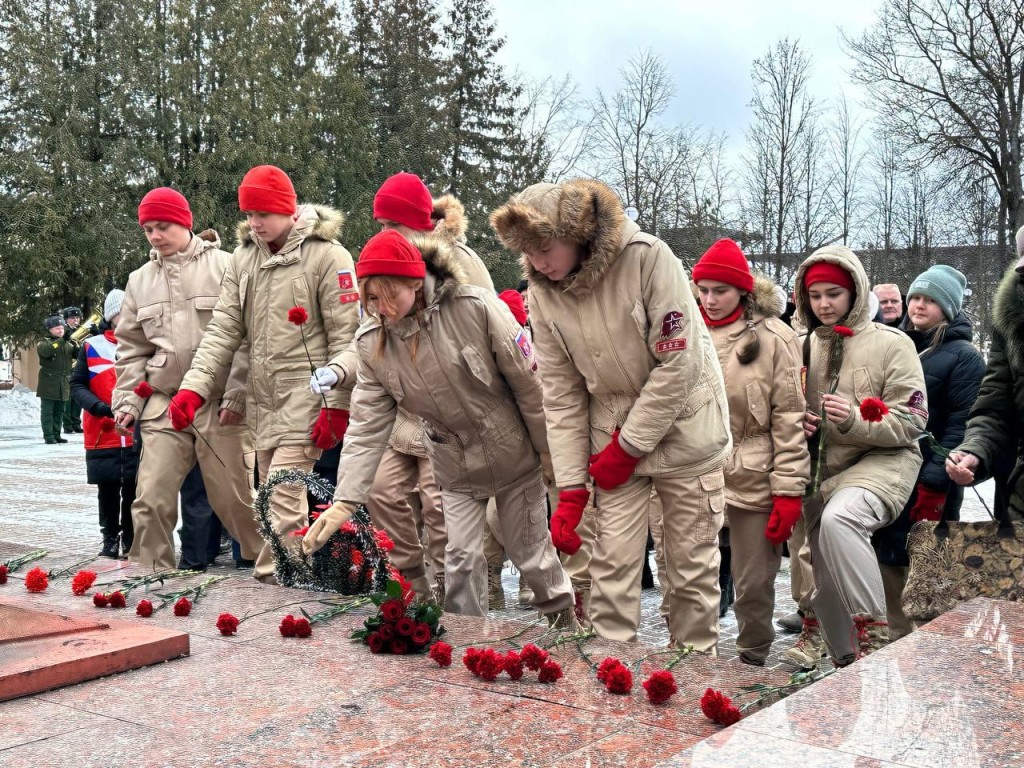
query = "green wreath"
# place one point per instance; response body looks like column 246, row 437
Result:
column 352, row 562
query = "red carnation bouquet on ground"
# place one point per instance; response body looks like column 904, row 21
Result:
column 400, row 626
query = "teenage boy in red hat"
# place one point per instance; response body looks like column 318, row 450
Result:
column 288, row 256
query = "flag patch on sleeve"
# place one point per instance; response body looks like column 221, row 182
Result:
column 524, row 345
column 345, row 281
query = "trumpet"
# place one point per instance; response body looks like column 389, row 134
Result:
column 87, row 328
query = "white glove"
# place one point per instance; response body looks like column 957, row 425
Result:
column 322, row 380
column 330, row 520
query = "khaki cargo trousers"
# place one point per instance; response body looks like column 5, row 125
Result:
column 167, row 456
column 693, row 509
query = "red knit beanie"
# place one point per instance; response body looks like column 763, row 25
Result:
column 725, row 262
column 827, row 272
column 388, row 253
column 165, row 204
column 405, row 199
column 515, row 302
column 267, row 189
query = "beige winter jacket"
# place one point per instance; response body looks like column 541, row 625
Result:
column 450, row 215
column 257, row 291
column 167, row 305
column 620, row 342
column 463, row 367
column 877, row 361
column 766, row 406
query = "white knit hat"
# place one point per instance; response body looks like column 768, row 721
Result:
column 112, row 304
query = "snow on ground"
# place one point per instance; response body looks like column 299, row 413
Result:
column 19, row 407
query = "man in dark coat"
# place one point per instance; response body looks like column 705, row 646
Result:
column 72, row 410
column 993, row 444
column 56, row 355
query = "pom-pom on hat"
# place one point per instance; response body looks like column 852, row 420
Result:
column 827, row 272
column 944, row 285
column 165, row 204
column 267, row 189
column 725, row 263
column 388, row 253
column 405, row 199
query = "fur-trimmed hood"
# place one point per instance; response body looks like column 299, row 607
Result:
column 320, row 222
column 449, row 215
column 1008, row 315
column 859, row 316
column 583, row 211
column 445, row 270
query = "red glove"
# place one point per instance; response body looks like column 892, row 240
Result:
column 785, row 514
column 928, row 505
column 567, row 517
column 613, row 466
column 183, row 407
column 330, row 428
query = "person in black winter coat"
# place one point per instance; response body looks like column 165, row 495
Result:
column 111, row 461
column 953, row 369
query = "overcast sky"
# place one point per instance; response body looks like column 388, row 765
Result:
column 708, row 46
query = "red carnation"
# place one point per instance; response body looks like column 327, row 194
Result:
column 349, row 527
column 549, row 672
column 82, row 582
column 392, row 610
column 718, row 707
column 490, row 665
column 609, row 663
column 873, row 409
column 619, row 680
column 144, row 609
column 117, row 600
column 375, row 642
column 842, row 330
column 421, row 634
column 513, row 664
column 100, row 600
column 441, row 652
column 36, row 580
column 143, row 389
column 405, row 626
column 301, row 532
column 287, row 626
column 399, row 646
column 298, row 315
column 227, row 624
column 183, row 607
column 4, row 570
column 303, row 628
column 383, row 540
column 471, row 659
column 660, row 686
column 533, row 657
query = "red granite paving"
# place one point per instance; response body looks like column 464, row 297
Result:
column 941, row 697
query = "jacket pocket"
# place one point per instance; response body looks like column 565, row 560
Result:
column 301, row 294
column 560, row 341
column 756, row 404
column 862, row 388
column 159, row 360
column 151, row 319
column 756, row 453
column 477, row 366
column 639, row 315
column 712, row 507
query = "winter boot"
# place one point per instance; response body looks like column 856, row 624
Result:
column 438, row 589
column 809, row 648
column 126, row 544
column 495, row 589
column 564, row 620
column 525, row 593
column 871, row 634
column 791, row 623
column 110, row 547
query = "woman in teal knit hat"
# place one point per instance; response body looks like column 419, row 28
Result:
column 953, row 368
